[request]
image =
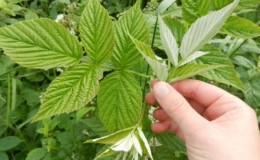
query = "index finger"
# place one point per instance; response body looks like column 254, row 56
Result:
column 204, row 93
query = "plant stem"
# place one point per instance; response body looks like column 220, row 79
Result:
column 145, row 109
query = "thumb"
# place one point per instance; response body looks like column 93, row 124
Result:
column 178, row 109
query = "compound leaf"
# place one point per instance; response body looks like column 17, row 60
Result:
column 40, row 43
column 119, row 101
column 159, row 68
column 241, row 28
column 132, row 22
column 96, row 32
column 70, row 91
column 204, row 29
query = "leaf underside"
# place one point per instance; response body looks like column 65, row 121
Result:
column 70, row 91
column 40, row 43
column 160, row 69
column 204, row 29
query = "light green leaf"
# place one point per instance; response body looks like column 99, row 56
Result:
column 164, row 5
column 96, row 32
column 70, row 91
column 218, row 4
column 190, row 70
column 204, row 29
column 169, row 43
column 3, row 4
column 120, row 97
column 159, row 68
column 112, row 138
column 126, row 55
column 9, row 142
column 37, row 154
column 226, row 75
column 40, row 43
column 193, row 9
column 241, row 28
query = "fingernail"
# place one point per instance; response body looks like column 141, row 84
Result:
column 160, row 90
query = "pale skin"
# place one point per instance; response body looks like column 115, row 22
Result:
column 214, row 124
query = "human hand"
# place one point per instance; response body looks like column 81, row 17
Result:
column 214, row 124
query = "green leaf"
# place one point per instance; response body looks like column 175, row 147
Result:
column 177, row 28
column 241, row 28
column 9, row 142
column 159, row 68
column 218, row 4
column 171, row 141
column 169, row 43
column 112, row 138
column 132, row 22
column 252, row 93
column 190, row 70
column 204, row 29
column 226, row 75
column 37, row 154
column 70, row 91
column 3, row 156
column 40, row 43
column 193, row 9
column 161, row 152
column 96, row 32
column 119, row 101
column 192, row 57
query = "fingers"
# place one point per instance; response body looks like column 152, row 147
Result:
column 204, row 93
column 177, row 108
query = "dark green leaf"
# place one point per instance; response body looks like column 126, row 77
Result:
column 9, row 142
column 37, row 154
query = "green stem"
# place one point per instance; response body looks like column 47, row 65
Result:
column 146, row 107
column 8, row 100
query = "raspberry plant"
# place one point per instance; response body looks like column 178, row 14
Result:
column 99, row 64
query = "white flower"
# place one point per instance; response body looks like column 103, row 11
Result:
column 59, row 17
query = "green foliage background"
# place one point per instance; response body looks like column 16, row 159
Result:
column 62, row 137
